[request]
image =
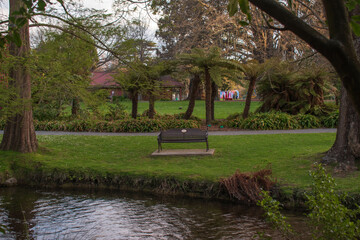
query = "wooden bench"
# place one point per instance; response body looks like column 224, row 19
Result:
column 183, row 135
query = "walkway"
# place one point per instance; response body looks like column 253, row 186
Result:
column 211, row 133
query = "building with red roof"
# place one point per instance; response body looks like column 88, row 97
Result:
column 172, row 89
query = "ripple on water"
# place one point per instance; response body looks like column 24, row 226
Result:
column 70, row 215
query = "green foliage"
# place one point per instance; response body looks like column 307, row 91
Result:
column 181, row 116
column 234, row 116
column 146, row 113
column 211, row 60
column 330, row 121
column 270, row 121
column 126, row 125
column 307, row 121
column 61, row 72
column 18, row 19
column 329, row 217
column 278, row 120
column 10, row 104
column 234, row 123
column 287, row 89
column 142, row 77
column 49, row 111
column 244, row 7
column 116, row 112
column 273, row 215
column 2, row 123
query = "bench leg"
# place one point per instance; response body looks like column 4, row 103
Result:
column 159, row 146
column 207, row 146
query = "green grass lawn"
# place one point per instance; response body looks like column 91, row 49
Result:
column 222, row 109
column 290, row 155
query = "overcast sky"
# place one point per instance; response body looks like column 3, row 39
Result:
column 97, row 4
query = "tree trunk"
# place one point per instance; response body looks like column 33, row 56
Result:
column 190, row 88
column 75, row 107
column 19, row 132
column 207, row 96
column 346, row 148
column 134, row 106
column 248, row 97
column 192, row 96
column 151, row 105
column 214, row 92
column 347, row 144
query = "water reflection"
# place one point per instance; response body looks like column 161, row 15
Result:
column 42, row 214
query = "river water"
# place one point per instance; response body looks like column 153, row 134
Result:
column 49, row 214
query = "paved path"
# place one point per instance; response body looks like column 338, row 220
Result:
column 211, row 133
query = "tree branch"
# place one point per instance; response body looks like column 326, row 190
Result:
column 102, row 45
column 271, row 26
column 315, row 39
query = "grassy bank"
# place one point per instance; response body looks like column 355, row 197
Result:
column 290, row 156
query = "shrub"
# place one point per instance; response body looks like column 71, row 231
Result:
column 146, row 113
column 307, row 121
column 44, row 112
column 330, row 121
column 329, row 217
column 270, row 121
column 126, row 125
column 273, row 215
column 288, row 89
column 234, row 123
column 116, row 112
column 181, row 116
column 234, row 116
column 117, row 99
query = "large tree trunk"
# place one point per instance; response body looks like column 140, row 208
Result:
column 248, row 97
column 192, row 96
column 347, row 144
column 346, row 148
column 214, row 92
column 134, row 105
column 151, row 105
column 19, row 132
column 207, row 96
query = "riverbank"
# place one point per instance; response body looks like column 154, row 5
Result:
column 124, row 162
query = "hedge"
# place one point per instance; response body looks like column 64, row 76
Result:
column 259, row 121
column 128, row 125
column 276, row 120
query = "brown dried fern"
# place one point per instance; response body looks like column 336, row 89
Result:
column 247, row 187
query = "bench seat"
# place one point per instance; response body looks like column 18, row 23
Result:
column 182, row 135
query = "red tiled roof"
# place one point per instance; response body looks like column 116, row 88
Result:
column 168, row 81
column 106, row 79
column 103, row 79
